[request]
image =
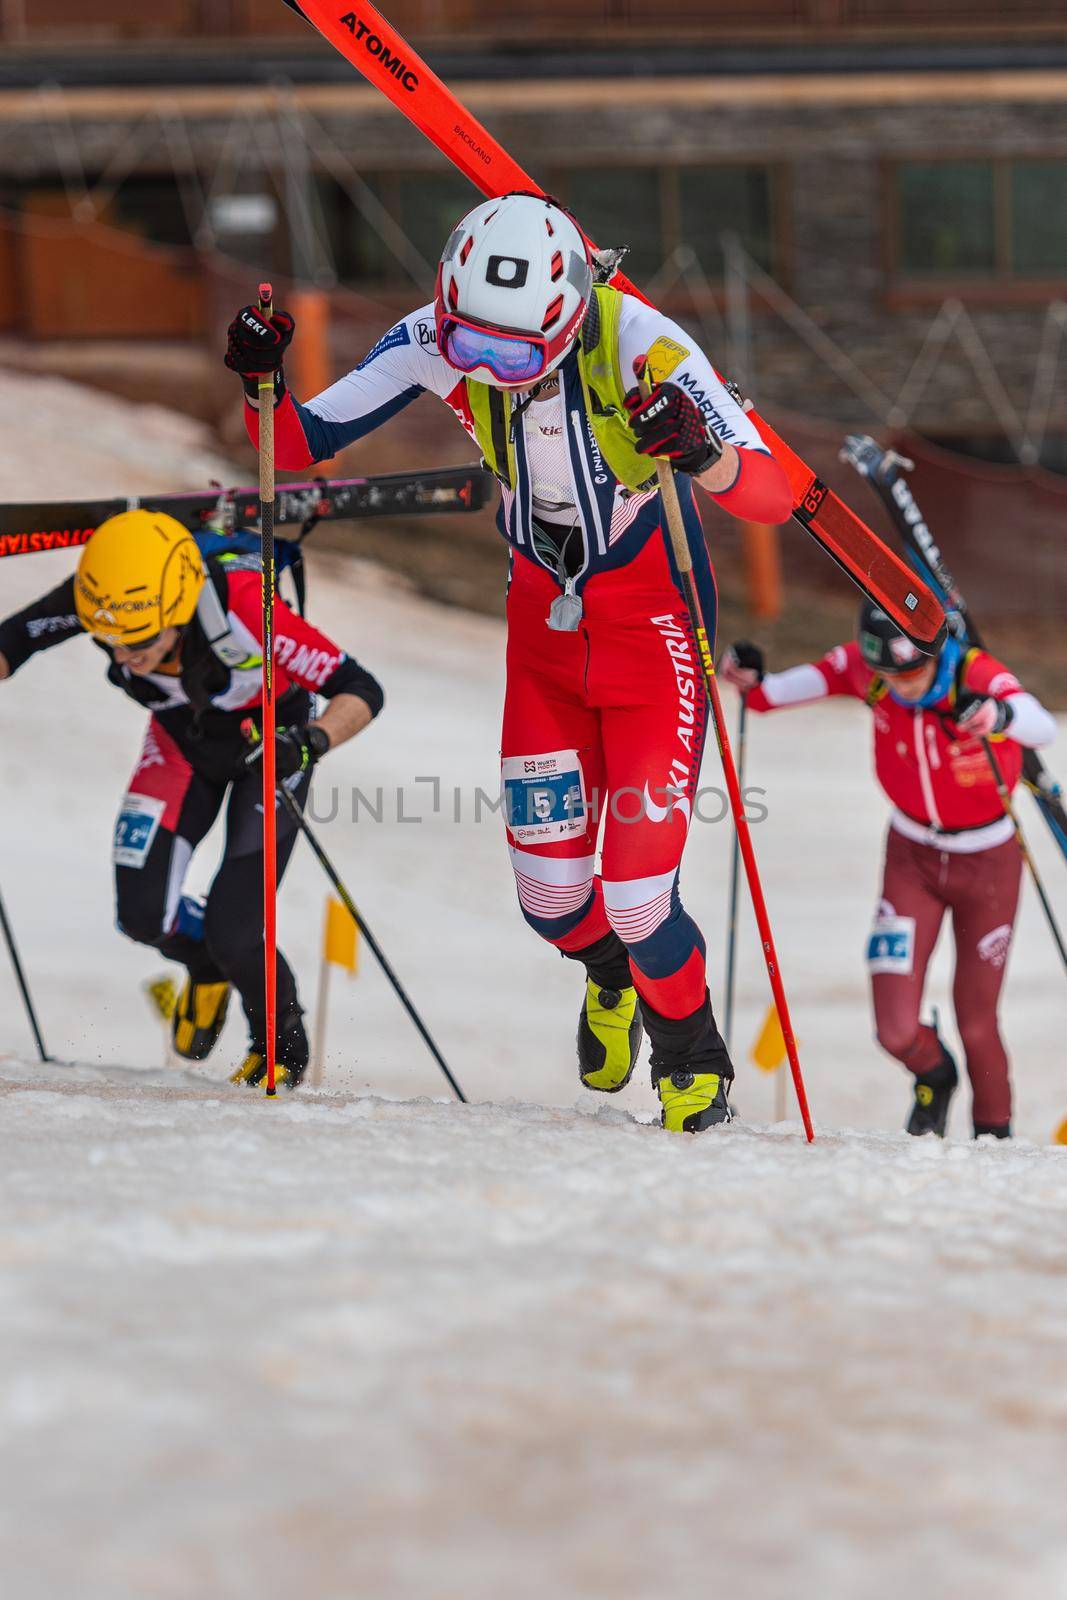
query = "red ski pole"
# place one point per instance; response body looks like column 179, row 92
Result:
column 680, row 546
column 270, row 856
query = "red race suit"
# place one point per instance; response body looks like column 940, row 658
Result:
column 951, row 849
column 603, row 722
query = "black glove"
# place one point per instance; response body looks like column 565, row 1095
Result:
column 749, row 657
column 980, row 714
column 255, row 345
column 295, row 749
column 670, row 424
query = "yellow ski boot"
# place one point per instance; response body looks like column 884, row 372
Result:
column 693, row 1101
column 609, row 1037
column 199, row 1015
column 291, row 1058
column 253, row 1071
column 933, row 1093
column 691, row 1070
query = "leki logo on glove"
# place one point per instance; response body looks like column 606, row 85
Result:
column 375, row 45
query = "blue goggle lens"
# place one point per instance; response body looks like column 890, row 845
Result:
column 509, row 359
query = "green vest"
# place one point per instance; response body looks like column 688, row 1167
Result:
column 602, row 388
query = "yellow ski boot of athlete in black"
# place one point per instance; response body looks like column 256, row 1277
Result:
column 199, row 1015
column 292, row 1054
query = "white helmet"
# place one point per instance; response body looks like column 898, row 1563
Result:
column 513, row 288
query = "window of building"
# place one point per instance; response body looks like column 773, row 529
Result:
column 656, row 209
column 149, row 205
column 423, row 206
column 718, row 200
column 980, row 219
column 995, row 447
column 946, row 217
column 650, row 209
column 1039, row 218
column 618, row 206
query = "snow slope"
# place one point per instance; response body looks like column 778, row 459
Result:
column 359, row 1348
column 368, row 1342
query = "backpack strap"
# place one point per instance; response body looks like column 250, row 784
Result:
column 498, row 425
column 959, row 680
column 591, row 326
column 214, row 621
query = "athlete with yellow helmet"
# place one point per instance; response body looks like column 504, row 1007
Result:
column 183, row 634
column 139, row 578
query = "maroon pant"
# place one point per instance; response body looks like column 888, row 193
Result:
column 981, row 891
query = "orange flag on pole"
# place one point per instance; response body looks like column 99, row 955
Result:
column 769, row 1052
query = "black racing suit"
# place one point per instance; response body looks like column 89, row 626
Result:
column 191, row 764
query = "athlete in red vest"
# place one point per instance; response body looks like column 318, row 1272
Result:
column 950, row 845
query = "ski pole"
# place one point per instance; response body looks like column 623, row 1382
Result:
column 270, row 847
column 680, row 546
column 735, row 862
column 349, row 904
column 883, row 470
column 20, row 979
column 1009, row 809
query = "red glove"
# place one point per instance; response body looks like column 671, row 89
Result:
column 256, row 345
column 670, row 424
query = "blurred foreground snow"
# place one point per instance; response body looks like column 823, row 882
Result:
column 342, row 1347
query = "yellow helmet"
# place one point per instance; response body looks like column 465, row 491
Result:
column 140, row 572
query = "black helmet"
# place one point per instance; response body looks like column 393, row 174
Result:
column 882, row 645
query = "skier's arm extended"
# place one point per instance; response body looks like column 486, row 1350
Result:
column 38, row 626
column 344, row 717
column 395, row 372
column 1031, row 724
column 841, row 671
column 744, row 478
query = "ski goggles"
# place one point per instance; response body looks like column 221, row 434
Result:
column 510, row 357
column 140, row 647
column 893, row 658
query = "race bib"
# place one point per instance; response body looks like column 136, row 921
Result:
column 136, row 828
column 544, row 796
column 891, row 946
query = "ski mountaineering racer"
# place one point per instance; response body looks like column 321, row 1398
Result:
column 605, row 711
column 183, row 634
column 950, row 846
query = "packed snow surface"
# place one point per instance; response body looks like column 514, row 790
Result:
column 370, row 1342
column 352, row 1346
